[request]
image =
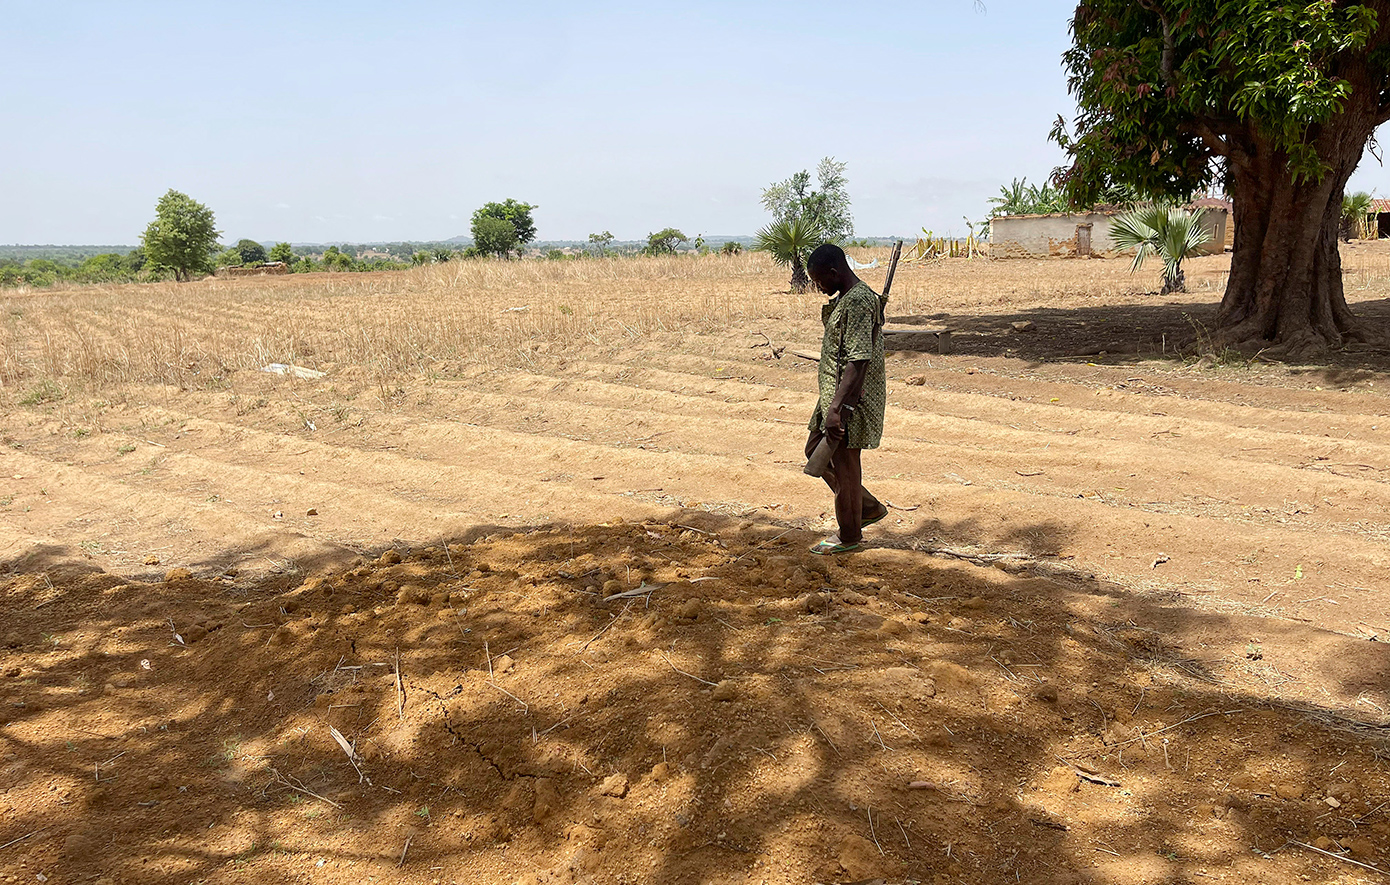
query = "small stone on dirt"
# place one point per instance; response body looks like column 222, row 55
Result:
column 195, row 634
column 612, row 588
column 1024, row 326
column 1047, row 694
column 502, row 664
column 691, row 609
column 916, row 380
column 175, row 575
column 813, row 603
column 312, row 511
column 151, row 560
column 724, row 691
column 1325, row 844
column 660, row 771
column 615, row 785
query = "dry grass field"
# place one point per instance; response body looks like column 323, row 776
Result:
column 518, row 590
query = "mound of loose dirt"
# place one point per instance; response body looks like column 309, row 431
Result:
column 687, row 700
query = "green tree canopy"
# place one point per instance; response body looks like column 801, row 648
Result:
column 135, row 259
column 664, row 242
column 825, row 207
column 337, row 259
column 518, row 215
column 182, row 238
column 493, row 235
column 251, row 252
column 600, row 241
column 282, row 252
column 1276, row 101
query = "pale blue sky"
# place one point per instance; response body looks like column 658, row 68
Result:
column 393, row 121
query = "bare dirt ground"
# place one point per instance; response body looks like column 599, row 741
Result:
column 519, row 592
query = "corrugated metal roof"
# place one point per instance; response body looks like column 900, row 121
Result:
column 1378, row 206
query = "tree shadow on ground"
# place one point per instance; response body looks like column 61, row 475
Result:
column 1170, row 327
column 690, row 700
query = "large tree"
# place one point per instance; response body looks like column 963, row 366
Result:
column 182, row 237
column 493, row 236
column 825, row 207
column 515, row 213
column 1274, row 100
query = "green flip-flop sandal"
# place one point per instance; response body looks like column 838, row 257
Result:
column 833, row 546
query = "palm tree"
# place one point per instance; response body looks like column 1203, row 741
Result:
column 1356, row 210
column 790, row 242
column 1165, row 230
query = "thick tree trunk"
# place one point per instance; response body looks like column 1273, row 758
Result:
column 1285, row 291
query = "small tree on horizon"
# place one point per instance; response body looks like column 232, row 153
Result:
column 664, row 242
column 283, row 252
column 600, row 242
column 251, row 252
column 182, row 238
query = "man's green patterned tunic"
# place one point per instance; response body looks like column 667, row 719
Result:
column 853, row 331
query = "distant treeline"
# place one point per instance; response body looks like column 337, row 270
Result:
column 49, row 265
column 40, row 266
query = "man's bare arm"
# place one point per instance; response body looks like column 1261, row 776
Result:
column 847, row 392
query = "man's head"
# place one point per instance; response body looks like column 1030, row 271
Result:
column 829, row 269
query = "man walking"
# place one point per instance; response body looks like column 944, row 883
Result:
column 853, row 392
